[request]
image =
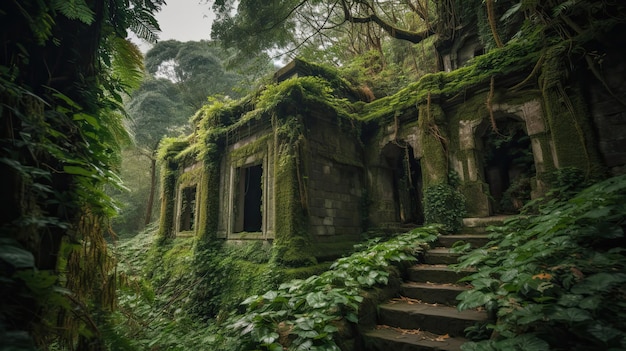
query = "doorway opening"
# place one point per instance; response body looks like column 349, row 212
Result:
column 406, row 177
column 508, row 165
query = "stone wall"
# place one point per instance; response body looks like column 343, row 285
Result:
column 334, row 184
column 607, row 100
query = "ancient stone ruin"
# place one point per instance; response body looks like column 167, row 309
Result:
column 310, row 163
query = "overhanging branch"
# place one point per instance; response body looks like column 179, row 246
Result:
column 393, row 31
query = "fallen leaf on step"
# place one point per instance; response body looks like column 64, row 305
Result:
column 442, row 337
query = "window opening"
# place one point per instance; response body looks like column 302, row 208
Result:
column 188, row 209
column 249, row 215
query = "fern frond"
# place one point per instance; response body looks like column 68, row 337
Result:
column 563, row 7
column 144, row 25
column 511, row 11
column 74, row 9
column 127, row 62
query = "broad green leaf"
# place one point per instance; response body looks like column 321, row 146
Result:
column 603, row 332
column 269, row 338
column 526, row 342
column 598, row 282
column 276, row 347
column 87, row 118
column 77, row 171
column 509, row 275
column 316, row 299
column 591, row 302
column 571, row 315
column 17, row 257
column 570, row 300
column 270, row 295
column 352, row 317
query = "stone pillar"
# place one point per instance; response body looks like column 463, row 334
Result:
column 473, row 187
column 432, row 133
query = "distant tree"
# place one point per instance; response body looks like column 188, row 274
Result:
column 157, row 109
column 204, row 68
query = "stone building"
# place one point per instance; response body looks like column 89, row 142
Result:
column 308, row 164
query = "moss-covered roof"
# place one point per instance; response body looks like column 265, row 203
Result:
column 516, row 57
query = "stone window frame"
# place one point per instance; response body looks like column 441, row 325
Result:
column 233, row 184
column 180, row 231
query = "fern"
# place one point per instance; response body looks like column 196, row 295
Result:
column 563, row 7
column 127, row 63
column 74, row 9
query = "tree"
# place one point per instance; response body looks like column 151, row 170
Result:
column 157, row 109
column 289, row 24
column 63, row 69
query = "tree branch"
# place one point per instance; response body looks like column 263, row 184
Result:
column 395, row 32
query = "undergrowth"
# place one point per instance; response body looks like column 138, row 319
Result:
column 310, row 314
column 166, row 290
column 555, row 279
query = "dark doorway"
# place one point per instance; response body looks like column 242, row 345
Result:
column 407, row 183
column 250, row 215
column 188, row 209
column 508, row 165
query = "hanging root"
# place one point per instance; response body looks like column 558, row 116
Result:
column 529, row 77
column 491, row 16
column 489, row 104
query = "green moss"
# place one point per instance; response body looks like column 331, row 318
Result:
column 257, row 147
column 291, row 239
column 433, row 138
column 208, row 210
column 328, row 251
column 566, row 112
column 304, row 272
column 516, row 57
column 190, row 177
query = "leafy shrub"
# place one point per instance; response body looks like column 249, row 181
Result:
column 557, row 280
column 445, row 205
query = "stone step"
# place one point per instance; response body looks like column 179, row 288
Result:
column 478, row 225
column 385, row 338
column 476, row 240
column 432, row 293
column 441, row 255
column 434, row 318
column 429, row 273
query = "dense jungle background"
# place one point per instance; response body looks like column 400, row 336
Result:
column 85, row 115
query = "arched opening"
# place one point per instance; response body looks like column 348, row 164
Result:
column 406, row 177
column 508, row 165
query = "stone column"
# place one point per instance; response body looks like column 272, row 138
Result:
column 473, row 187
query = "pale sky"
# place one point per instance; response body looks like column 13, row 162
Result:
column 182, row 20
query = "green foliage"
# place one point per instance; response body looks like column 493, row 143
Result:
column 227, row 273
column 310, row 314
column 154, row 291
column 556, row 280
column 64, row 69
column 445, row 205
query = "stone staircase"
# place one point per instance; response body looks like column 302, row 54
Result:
column 424, row 316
